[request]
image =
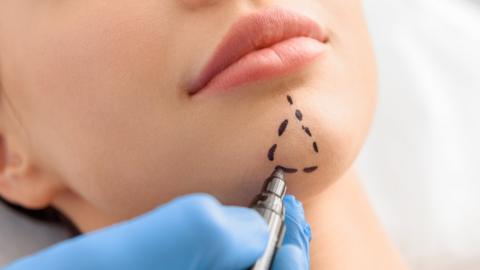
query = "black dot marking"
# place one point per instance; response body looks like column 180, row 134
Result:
column 290, row 100
column 282, row 127
column 315, row 147
column 307, row 130
column 287, row 170
column 299, row 115
column 310, row 169
column 271, row 152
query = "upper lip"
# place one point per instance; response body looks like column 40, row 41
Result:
column 253, row 32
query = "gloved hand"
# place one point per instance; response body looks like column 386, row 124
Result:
column 295, row 251
column 190, row 232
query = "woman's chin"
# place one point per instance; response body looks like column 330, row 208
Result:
column 312, row 157
column 229, row 154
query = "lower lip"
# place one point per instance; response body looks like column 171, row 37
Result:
column 280, row 59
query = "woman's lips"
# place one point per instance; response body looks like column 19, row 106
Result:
column 269, row 43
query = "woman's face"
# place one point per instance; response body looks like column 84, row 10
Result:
column 99, row 90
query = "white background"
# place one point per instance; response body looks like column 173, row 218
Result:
column 421, row 164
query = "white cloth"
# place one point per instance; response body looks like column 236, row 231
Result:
column 421, row 164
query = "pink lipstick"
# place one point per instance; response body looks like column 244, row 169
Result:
column 261, row 45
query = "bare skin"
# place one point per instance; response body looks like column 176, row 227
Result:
column 345, row 231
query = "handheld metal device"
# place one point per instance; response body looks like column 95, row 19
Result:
column 269, row 203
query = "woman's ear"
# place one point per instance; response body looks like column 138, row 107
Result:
column 21, row 181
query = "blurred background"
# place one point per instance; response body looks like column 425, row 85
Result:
column 421, row 164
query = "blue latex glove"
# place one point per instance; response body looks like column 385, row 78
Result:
column 295, row 251
column 190, row 232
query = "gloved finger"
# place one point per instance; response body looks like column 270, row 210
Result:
column 298, row 231
column 190, row 232
column 217, row 236
column 243, row 238
column 290, row 257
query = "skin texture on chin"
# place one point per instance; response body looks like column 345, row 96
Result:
column 103, row 119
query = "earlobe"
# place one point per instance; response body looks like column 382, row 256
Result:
column 22, row 183
column 8, row 178
column 27, row 187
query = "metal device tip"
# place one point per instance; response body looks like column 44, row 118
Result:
column 278, row 173
column 276, row 183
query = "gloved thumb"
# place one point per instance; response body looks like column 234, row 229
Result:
column 290, row 257
column 295, row 251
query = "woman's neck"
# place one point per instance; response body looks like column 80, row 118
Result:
column 86, row 217
column 345, row 231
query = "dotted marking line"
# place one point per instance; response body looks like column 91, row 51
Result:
column 281, row 130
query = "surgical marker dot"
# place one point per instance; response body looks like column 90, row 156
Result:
column 282, row 127
column 315, row 147
column 299, row 115
column 310, row 169
column 307, row 130
column 271, row 152
column 290, row 100
column 287, row 170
